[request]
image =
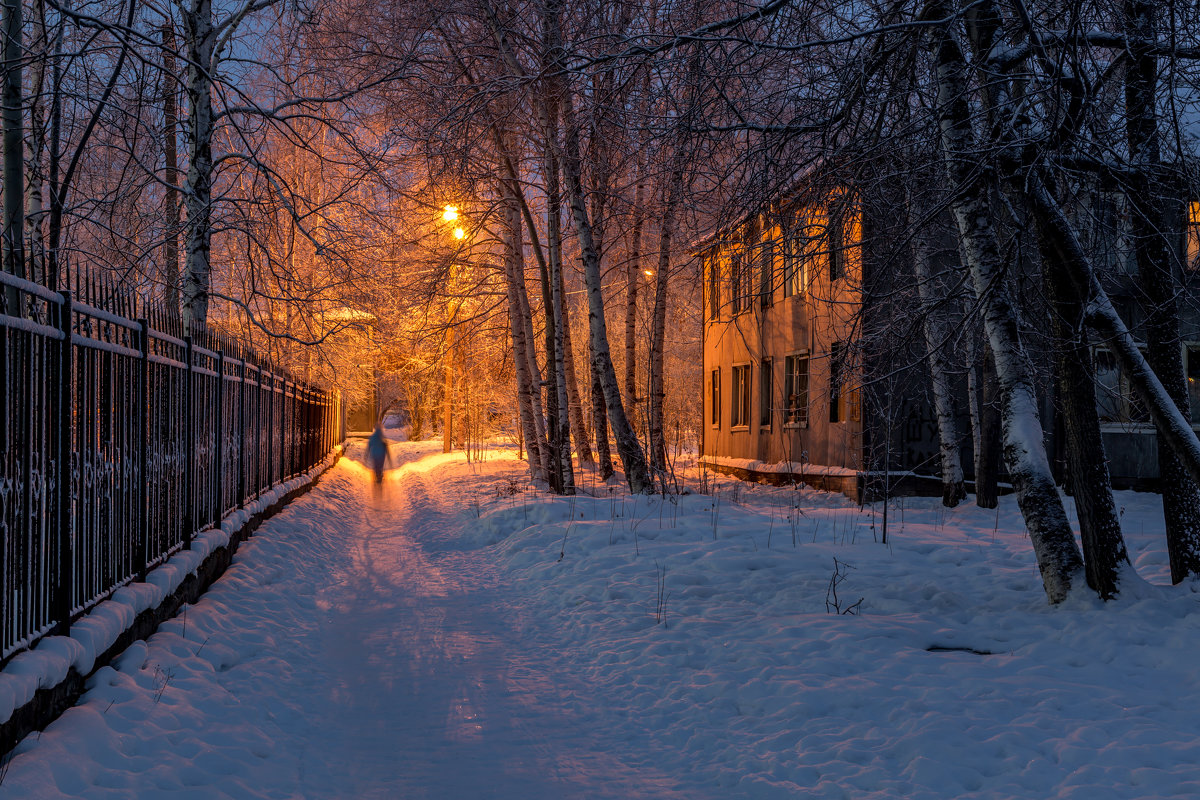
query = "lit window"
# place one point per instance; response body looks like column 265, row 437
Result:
column 1192, row 366
column 1193, row 235
column 764, row 394
column 766, row 284
column 713, row 270
column 740, row 397
column 715, row 396
column 843, row 235
column 795, row 380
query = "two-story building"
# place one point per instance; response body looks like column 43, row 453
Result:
column 814, row 364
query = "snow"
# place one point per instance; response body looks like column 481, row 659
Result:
column 781, row 467
column 457, row 634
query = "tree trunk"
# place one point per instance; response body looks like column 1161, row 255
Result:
column 633, row 279
column 1099, row 524
column 656, row 396
column 14, row 152
column 555, row 413
column 574, row 400
column 560, row 441
column 991, row 447
column 599, row 418
column 200, row 38
column 170, row 276
column 1148, row 194
column 35, row 207
column 1059, row 560
column 628, row 447
column 953, row 489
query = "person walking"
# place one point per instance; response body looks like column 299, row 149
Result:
column 377, row 453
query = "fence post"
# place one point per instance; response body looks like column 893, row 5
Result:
column 269, row 428
column 189, row 448
column 243, row 450
column 219, row 437
column 66, row 561
column 143, row 509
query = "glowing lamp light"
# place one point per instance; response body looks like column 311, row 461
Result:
column 649, row 273
column 450, row 214
column 459, row 233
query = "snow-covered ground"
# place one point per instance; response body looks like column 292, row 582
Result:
column 457, row 635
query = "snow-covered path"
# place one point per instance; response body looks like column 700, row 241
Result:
column 461, row 634
column 353, row 650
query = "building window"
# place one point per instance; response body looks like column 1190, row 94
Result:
column 766, row 273
column 740, row 282
column 1115, row 399
column 765, row 389
column 714, row 403
column 843, row 234
column 836, row 357
column 844, row 403
column 1191, row 366
column 713, row 270
column 739, row 416
column 791, row 264
column 795, row 380
column 1108, row 243
column 1192, row 251
column 836, row 245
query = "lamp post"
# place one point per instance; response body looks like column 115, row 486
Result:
column 450, row 214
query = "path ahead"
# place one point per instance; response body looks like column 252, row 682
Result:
column 352, row 651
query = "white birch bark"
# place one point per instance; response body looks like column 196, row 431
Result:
column 658, row 328
column 945, row 411
column 1059, row 559
column 514, row 269
column 628, row 448
column 14, row 148
column 575, row 408
column 200, row 40
column 35, row 208
column 564, row 472
column 170, row 277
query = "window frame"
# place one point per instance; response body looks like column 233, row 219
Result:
column 796, row 416
column 713, row 274
column 740, row 395
column 835, row 243
column 1191, row 235
column 766, row 391
column 1126, row 396
column 845, row 399
column 1186, row 345
column 739, row 281
column 714, row 397
column 841, row 210
column 766, row 272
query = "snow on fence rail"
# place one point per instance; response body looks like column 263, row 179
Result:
column 121, row 438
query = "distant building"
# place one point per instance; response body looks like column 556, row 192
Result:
column 814, row 362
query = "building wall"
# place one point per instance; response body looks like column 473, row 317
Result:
column 805, row 313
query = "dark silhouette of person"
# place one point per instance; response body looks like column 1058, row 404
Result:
column 377, row 453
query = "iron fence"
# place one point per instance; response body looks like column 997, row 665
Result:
column 121, row 439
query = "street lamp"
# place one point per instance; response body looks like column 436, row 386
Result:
column 450, row 214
